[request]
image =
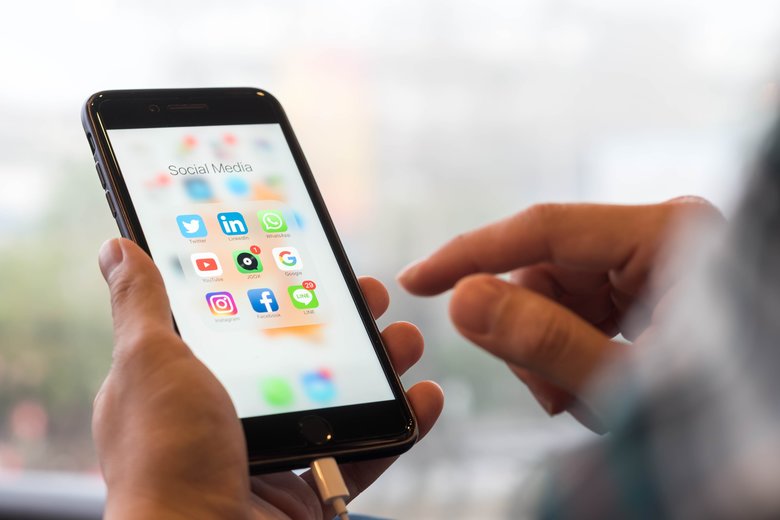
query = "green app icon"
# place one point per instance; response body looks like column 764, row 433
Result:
column 272, row 221
column 277, row 391
column 302, row 298
column 247, row 262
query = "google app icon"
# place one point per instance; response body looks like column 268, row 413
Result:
column 287, row 258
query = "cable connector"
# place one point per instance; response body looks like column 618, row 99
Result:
column 331, row 485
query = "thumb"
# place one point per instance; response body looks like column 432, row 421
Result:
column 139, row 302
column 527, row 330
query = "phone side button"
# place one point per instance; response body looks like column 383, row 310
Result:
column 111, row 204
column 315, row 430
column 100, row 174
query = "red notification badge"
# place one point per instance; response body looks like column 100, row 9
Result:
column 309, row 285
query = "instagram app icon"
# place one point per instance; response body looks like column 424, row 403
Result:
column 221, row 303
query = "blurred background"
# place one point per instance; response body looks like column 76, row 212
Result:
column 420, row 119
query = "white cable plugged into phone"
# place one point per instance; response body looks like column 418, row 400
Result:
column 331, row 485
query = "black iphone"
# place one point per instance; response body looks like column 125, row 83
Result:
column 213, row 184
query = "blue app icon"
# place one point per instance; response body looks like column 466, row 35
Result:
column 318, row 385
column 232, row 223
column 191, row 226
column 237, row 186
column 199, row 190
column 263, row 300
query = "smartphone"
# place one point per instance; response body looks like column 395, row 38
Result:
column 213, row 184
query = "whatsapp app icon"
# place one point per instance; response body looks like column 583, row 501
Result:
column 272, row 221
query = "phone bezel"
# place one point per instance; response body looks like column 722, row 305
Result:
column 274, row 442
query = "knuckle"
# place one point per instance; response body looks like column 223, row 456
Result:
column 542, row 334
column 121, row 288
column 461, row 239
column 125, row 288
column 541, row 213
column 134, row 286
column 552, row 337
column 142, row 347
column 463, row 243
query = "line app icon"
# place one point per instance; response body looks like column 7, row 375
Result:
column 302, row 298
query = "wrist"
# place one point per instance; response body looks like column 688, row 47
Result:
column 170, row 505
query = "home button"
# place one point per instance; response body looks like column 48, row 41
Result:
column 315, row 430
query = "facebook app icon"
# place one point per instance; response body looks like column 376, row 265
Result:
column 263, row 300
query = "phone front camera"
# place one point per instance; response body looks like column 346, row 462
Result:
column 154, row 108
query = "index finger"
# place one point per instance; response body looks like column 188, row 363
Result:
column 582, row 236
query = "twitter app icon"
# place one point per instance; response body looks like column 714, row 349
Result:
column 191, row 226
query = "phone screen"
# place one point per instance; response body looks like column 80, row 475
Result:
column 253, row 282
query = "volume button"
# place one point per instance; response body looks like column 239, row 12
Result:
column 111, row 206
column 100, row 174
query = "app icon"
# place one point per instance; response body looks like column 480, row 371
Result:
column 191, row 226
column 199, row 190
column 318, row 385
column 188, row 143
column 221, row 303
column 277, row 391
column 247, row 262
column 302, row 298
column 263, row 300
column 272, row 221
column 238, row 186
column 287, row 258
column 299, row 221
column 232, row 223
column 206, row 264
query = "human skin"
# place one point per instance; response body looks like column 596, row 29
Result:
column 576, row 273
column 168, row 438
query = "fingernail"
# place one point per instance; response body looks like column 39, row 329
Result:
column 548, row 405
column 110, row 256
column 475, row 304
column 409, row 271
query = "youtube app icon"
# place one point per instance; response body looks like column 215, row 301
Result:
column 206, row 264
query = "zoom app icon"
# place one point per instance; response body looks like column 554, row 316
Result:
column 248, row 261
column 272, row 221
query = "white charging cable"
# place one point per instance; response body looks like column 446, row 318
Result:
column 330, row 484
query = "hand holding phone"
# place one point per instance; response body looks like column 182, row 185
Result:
column 167, row 435
column 213, row 185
